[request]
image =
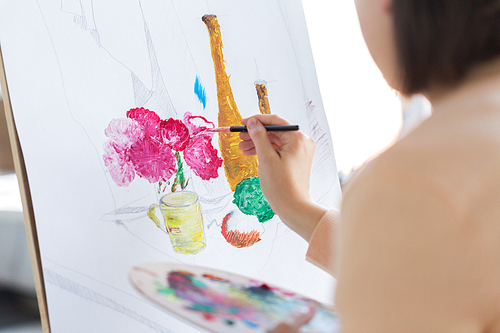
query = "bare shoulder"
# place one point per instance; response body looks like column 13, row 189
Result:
column 459, row 155
column 426, row 213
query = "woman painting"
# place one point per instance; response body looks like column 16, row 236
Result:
column 416, row 246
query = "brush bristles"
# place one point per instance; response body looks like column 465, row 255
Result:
column 219, row 129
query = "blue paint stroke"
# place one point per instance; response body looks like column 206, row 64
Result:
column 199, row 90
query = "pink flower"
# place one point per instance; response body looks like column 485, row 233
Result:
column 122, row 134
column 174, row 133
column 144, row 144
column 192, row 122
column 148, row 120
column 124, row 131
column 202, row 157
column 153, row 160
column 118, row 163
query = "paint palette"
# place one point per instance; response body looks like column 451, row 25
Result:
column 223, row 302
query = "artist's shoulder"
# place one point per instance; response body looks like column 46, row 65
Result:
column 459, row 159
column 413, row 157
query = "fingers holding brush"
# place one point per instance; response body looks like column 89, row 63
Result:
column 247, row 145
column 285, row 161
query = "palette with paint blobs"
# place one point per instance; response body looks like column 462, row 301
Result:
column 224, row 302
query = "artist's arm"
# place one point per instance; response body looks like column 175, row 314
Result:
column 285, row 160
column 324, row 245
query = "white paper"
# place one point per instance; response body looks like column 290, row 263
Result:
column 74, row 65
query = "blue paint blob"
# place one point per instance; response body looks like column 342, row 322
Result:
column 199, row 90
column 250, row 324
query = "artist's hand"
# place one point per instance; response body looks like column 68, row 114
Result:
column 285, row 160
column 295, row 321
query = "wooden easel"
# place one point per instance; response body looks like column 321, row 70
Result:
column 28, row 213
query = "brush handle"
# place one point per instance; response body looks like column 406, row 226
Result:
column 269, row 128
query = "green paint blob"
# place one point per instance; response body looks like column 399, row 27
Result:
column 164, row 289
column 197, row 283
column 180, row 179
column 250, row 200
column 202, row 307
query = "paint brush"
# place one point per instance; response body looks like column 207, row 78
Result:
column 269, row 128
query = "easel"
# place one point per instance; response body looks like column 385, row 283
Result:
column 29, row 216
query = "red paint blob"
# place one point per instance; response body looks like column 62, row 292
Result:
column 238, row 238
column 148, row 120
column 153, row 160
column 215, row 278
column 202, row 157
column 174, row 133
column 208, row 316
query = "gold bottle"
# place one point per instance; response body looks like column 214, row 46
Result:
column 236, row 165
column 261, row 88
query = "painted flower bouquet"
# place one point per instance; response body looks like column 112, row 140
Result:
column 145, row 145
column 142, row 144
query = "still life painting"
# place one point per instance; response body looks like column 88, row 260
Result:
column 114, row 103
column 145, row 145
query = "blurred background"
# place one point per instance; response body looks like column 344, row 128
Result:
column 18, row 304
column 364, row 114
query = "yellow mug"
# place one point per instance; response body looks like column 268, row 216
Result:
column 183, row 221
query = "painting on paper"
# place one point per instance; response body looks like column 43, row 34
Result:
column 114, row 104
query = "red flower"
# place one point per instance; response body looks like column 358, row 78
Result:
column 174, row 133
column 190, row 137
column 148, row 120
column 202, row 157
column 153, row 160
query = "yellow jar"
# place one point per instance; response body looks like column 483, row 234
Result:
column 183, row 221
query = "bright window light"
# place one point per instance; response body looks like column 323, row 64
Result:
column 363, row 112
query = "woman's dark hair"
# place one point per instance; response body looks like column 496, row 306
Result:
column 438, row 41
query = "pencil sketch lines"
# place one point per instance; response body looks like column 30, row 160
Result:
column 284, row 14
column 88, row 294
column 157, row 98
column 126, row 209
column 141, row 93
column 212, row 222
column 198, row 77
column 63, row 84
column 184, row 35
column 93, row 279
column 83, row 15
column 121, row 223
column 323, row 156
column 270, row 251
